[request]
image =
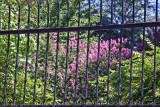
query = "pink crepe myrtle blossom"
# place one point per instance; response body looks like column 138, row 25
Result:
column 73, row 33
column 53, row 52
column 51, row 89
column 80, row 65
column 69, row 70
column 73, row 75
column 83, row 86
column 77, row 86
column 49, row 61
column 25, row 62
column 72, row 85
column 63, row 70
column 69, row 87
column 19, row 64
column 50, row 72
column 120, row 39
column 59, row 73
column 125, row 40
column 34, row 57
column 54, row 41
column 51, row 40
column 72, row 38
column 68, row 97
column 61, row 78
column 34, row 40
column 73, row 70
column 92, row 75
column 41, row 68
column 60, row 44
column 53, row 33
column 64, row 51
column 50, row 68
column 28, row 66
column 79, row 70
column 54, row 36
column 72, row 80
column 72, row 65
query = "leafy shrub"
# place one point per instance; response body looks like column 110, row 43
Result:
column 81, row 72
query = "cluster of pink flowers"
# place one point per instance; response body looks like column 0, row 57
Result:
column 93, row 50
column 81, row 70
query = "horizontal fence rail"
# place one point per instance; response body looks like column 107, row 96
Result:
column 104, row 27
column 66, row 65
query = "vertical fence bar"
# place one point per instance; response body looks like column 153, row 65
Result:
column 109, row 53
column 65, row 87
column 26, row 53
column 130, row 93
column 56, row 67
column 154, row 72
column 120, row 55
column 36, row 65
column 87, row 64
column 97, row 82
column 15, row 81
column 79, row 9
column 5, row 84
column 45, row 82
column 0, row 16
column 142, row 85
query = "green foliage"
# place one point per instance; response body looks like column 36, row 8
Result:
column 20, row 91
column 136, row 80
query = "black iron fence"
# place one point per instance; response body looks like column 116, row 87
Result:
column 61, row 98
